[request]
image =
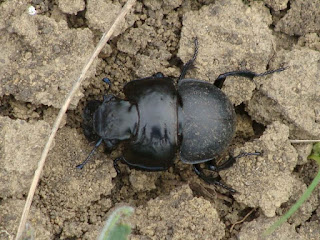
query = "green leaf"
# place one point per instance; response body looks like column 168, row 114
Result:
column 315, row 153
column 295, row 207
column 114, row 228
column 314, row 156
column 119, row 232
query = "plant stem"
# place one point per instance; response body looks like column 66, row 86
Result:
column 295, row 207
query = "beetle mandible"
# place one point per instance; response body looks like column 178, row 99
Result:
column 159, row 116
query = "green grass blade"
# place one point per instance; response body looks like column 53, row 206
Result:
column 295, row 207
column 114, row 229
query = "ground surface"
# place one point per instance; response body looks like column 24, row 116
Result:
column 41, row 56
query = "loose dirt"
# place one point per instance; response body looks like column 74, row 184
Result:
column 41, row 56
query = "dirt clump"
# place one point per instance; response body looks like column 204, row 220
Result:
column 42, row 55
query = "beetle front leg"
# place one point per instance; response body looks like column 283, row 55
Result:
column 210, row 180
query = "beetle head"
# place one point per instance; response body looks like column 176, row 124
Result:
column 115, row 119
column 87, row 124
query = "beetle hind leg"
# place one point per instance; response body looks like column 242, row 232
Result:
column 211, row 165
column 244, row 73
column 210, row 180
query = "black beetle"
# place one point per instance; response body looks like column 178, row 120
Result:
column 157, row 117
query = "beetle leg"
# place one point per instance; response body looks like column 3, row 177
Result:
column 210, row 180
column 110, row 145
column 158, row 75
column 107, row 98
column 116, row 165
column 244, row 154
column 226, row 164
column 245, row 73
column 211, row 165
column 190, row 63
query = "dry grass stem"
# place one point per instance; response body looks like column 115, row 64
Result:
column 243, row 219
column 304, row 141
column 106, row 36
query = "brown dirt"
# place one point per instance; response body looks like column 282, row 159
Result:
column 41, row 56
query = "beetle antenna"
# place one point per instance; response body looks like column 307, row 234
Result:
column 80, row 166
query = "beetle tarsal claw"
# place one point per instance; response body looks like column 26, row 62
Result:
column 209, row 179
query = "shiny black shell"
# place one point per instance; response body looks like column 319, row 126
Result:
column 206, row 121
column 197, row 112
column 154, row 146
column 158, row 117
